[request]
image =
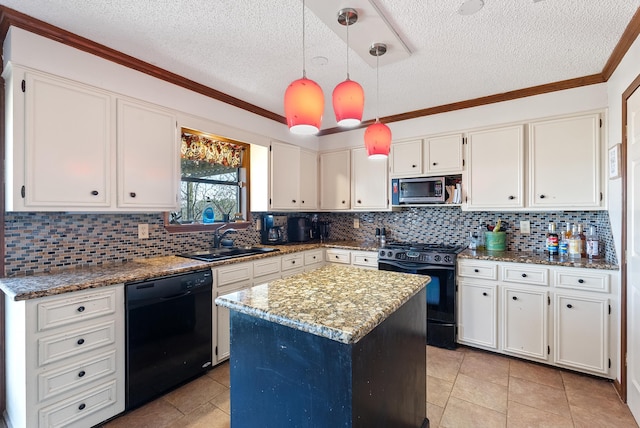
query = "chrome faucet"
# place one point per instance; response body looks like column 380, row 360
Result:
column 217, row 237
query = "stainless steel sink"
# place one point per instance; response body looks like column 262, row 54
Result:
column 225, row 253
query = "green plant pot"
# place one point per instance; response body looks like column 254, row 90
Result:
column 495, row 241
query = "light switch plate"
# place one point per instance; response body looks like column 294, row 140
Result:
column 143, row 231
column 356, row 223
column 525, row 227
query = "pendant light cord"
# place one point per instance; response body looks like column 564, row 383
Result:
column 377, row 86
column 304, row 64
column 347, row 22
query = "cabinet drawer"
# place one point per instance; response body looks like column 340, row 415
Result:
column 339, row 256
column 74, row 342
column 235, row 273
column 313, row 257
column 59, row 312
column 366, row 259
column 292, row 261
column 526, row 275
column 478, row 271
column 264, row 267
column 588, row 281
column 52, row 383
column 81, row 410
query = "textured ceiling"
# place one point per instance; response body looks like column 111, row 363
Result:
column 252, row 50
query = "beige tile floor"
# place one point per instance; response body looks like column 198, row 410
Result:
column 465, row 388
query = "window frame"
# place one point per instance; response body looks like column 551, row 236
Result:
column 245, row 189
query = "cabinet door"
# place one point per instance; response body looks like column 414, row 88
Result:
column 369, row 178
column 285, row 176
column 524, row 322
column 581, row 332
column 406, row 159
column 308, row 180
column 495, row 168
column 335, row 180
column 443, row 155
column 478, row 314
column 148, row 157
column 564, row 156
column 68, row 144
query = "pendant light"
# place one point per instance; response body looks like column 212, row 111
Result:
column 348, row 96
column 303, row 99
column 377, row 136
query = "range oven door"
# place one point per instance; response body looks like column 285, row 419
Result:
column 441, row 299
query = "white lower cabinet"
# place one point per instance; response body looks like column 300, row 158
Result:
column 66, row 358
column 524, row 322
column 336, row 255
column 581, row 332
column 292, row 264
column 555, row 315
column 367, row 259
column 313, row 259
column 478, row 314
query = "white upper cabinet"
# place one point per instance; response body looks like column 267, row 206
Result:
column 430, row 156
column 443, row 155
column 67, row 145
column 369, row 181
column 308, row 180
column 148, row 156
column 294, row 178
column 565, row 163
column 335, row 180
column 285, row 176
column 406, row 158
column 69, row 148
column 495, row 168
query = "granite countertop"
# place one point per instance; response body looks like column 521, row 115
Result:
column 337, row 302
column 64, row 281
column 535, row 258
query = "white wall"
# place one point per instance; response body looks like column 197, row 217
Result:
column 200, row 112
column 586, row 98
column 626, row 72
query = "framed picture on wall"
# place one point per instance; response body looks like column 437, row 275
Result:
column 614, row 162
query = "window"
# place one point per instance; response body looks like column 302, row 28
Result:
column 213, row 183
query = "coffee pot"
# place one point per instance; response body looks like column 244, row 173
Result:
column 271, row 230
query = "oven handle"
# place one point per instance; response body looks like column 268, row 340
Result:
column 409, row 265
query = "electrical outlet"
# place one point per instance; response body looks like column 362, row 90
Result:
column 356, row 223
column 525, row 227
column 143, row 231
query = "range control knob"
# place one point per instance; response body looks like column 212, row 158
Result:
column 447, row 259
column 382, row 253
column 437, row 257
column 389, row 253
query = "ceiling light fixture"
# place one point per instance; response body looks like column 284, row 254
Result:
column 303, row 99
column 377, row 136
column 469, row 7
column 348, row 96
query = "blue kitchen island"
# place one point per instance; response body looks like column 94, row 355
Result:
column 334, row 347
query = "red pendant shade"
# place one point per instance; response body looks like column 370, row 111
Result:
column 303, row 106
column 348, row 103
column 377, row 140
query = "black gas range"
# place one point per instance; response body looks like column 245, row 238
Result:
column 437, row 254
column 439, row 262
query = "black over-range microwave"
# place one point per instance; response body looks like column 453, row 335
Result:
column 422, row 190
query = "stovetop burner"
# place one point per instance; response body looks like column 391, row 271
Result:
column 422, row 253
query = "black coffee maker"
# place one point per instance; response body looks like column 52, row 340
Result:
column 272, row 231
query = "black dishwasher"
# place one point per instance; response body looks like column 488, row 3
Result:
column 168, row 333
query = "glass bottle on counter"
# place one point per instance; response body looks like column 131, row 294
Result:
column 552, row 241
column 563, row 245
column 583, row 238
column 593, row 247
column 575, row 243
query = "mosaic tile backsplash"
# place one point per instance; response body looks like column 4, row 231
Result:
column 45, row 242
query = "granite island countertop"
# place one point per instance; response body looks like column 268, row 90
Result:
column 535, row 258
column 340, row 303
